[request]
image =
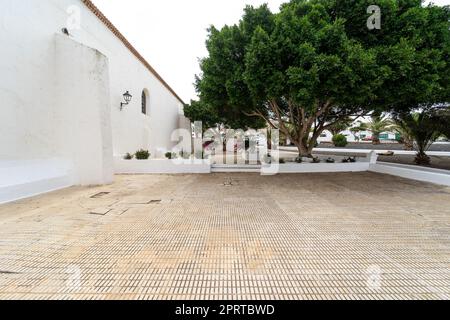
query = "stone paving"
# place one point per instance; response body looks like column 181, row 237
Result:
column 230, row 236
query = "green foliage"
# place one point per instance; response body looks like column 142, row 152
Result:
column 142, row 154
column 316, row 63
column 406, row 136
column 340, row 126
column 424, row 127
column 128, row 156
column 443, row 120
column 340, row 141
column 378, row 124
column 200, row 111
column 199, row 155
column 184, row 154
column 168, row 155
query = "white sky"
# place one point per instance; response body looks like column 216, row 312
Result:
column 171, row 34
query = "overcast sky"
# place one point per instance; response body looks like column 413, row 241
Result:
column 171, row 34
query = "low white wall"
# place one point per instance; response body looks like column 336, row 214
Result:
column 161, row 166
column 22, row 179
column 436, row 176
column 323, row 167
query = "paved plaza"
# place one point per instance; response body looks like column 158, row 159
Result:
column 230, row 236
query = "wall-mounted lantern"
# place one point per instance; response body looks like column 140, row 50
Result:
column 127, row 97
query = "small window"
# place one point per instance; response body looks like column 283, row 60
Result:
column 144, row 102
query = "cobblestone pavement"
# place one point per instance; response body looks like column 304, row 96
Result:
column 230, row 236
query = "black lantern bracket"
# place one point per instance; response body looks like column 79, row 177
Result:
column 127, row 97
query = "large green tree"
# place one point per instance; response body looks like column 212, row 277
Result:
column 316, row 63
column 200, row 111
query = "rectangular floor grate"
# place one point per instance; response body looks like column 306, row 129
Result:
column 99, row 195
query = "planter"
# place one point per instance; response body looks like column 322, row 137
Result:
column 322, row 167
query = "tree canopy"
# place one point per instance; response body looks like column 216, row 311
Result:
column 315, row 63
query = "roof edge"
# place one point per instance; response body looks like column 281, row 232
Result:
column 93, row 8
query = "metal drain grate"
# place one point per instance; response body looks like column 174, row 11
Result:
column 100, row 211
column 99, row 195
column 230, row 182
column 8, row 272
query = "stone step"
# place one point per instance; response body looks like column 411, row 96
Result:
column 235, row 168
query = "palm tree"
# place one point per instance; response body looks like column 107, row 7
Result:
column 401, row 127
column 356, row 130
column 378, row 124
column 424, row 128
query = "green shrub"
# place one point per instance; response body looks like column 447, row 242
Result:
column 349, row 160
column 182, row 154
column 168, row 155
column 142, row 154
column 282, row 161
column 186, row 155
column 267, row 158
column 340, row 141
column 199, row 155
column 128, row 156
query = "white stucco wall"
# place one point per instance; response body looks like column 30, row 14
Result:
column 82, row 115
column 50, row 108
column 27, row 64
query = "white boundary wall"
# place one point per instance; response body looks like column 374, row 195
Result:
column 436, row 176
column 323, row 167
column 23, row 179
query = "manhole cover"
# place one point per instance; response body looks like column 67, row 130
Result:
column 99, row 195
column 100, row 211
column 230, row 183
column 7, row 272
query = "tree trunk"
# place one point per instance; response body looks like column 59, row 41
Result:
column 305, row 148
column 422, row 159
column 376, row 139
column 302, row 150
column 408, row 144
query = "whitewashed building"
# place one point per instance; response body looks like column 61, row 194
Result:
column 362, row 136
column 64, row 71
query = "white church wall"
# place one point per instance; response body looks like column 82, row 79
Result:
column 27, row 82
column 132, row 130
column 43, row 89
column 82, row 113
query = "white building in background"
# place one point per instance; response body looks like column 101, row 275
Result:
column 64, row 70
column 362, row 136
